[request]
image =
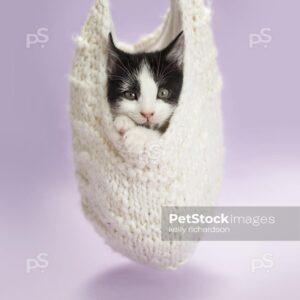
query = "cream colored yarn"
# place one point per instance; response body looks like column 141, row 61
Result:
column 122, row 193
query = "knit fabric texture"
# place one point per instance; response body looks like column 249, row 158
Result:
column 123, row 193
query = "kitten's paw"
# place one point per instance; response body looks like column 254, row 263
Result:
column 123, row 124
column 138, row 138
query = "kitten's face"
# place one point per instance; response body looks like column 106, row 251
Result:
column 146, row 87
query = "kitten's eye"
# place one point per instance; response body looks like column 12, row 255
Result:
column 130, row 95
column 163, row 94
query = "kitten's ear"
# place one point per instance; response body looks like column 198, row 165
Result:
column 113, row 54
column 111, row 43
column 175, row 51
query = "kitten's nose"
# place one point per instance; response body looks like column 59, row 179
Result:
column 147, row 115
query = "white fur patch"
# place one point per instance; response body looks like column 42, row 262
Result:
column 149, row 89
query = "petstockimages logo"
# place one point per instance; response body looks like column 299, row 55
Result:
column 230, row 223
column 40, row 38
column 220, row 219
column 39, row 263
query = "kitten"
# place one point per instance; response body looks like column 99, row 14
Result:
column 144, row 90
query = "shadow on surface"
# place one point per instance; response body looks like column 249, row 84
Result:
column 137, row 282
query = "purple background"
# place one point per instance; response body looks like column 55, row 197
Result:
column 40, row 205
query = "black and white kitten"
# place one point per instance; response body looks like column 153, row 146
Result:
column 144, row 90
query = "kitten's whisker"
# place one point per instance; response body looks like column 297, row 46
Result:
column 170, row 65
column 116, row 76
column 122, row 65
column 166, row 72
column 159, row 65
